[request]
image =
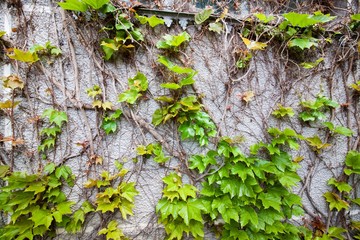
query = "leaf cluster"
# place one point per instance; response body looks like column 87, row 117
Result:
column 36, row 203
column 314, row 110
column 49, row 134
column 137, row 86
column 249, row 194
column 179, row 209
column 153, row 149
column 124, row 35
column 120, row 197
column 173, row 42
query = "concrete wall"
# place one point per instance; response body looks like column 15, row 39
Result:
column 273, row 75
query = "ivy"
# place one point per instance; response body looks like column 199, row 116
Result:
column 179, row 209
column 203, row 15
column 137, row 85
column 50, row 134
column 35, row 202
column 152, row 149
column 282, row 111
column 173, row 42
column 314, row 110
column 250, row 195
column 120, row 197
column 153, row 21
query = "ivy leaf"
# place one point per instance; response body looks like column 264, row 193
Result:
column 46, row 144
column 203, row 15
column 139, row 82
column 186, row 191
column 42, row 217
column 153, row 20
column 13, row 82
column 303, row 43
column 128, row 191
column 63, row 171
column 282, row 111
column 35, row 187
column 129, row 96
column 50, row 132
column 95, row 4
column 3, row 171
column 216, row 27
column 248, row 215
column 308, row 65
column 173, row 67
column 316, row 143
column 8, row 104
column 2, row 33
column 341, row 186
column 289, row 179
column 109, row 126
column 263, row 18
column 24, row 56
column 270, row 200
column 335, row 201
column 300, row 20
column 109, row 46
column 172, row 86
column 171, row 41
column 191, row 210
column 253, row 45
column 352, row 162
column 74, row 5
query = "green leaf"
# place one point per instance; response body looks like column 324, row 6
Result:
column 74, row 5
column 216, row 27
column 355, row 17
column 303, row 43
column 263, row 18
column 50, row 132
column 270, row 200
column 344, row 131
column 335, row 201
column 173, row 41
column 96, row 4
column 282, row 111
column 173, row 67
column 23, row 56
column 172, row 86
column 158, row 117
column 289, row 179
column 2, row 33
column 191, row 210
column 247, row 215
column 129, row 96
column 139, row 82
column 309, row 65
column 128, row 191
column 35, row 187
column 42, row 217
column 153, row 20
column 46, row 144
column 109, row 46
column 63, row 171
column 316, row 143
column 341, row 186
column 57, row 117
column 301, row 20
column 109, row 126
column 203, row 15
column 187, row 191
column 3, row 171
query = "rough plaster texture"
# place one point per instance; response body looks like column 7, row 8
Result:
column 213, row 57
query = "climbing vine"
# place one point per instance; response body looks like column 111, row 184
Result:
column 227, row 171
